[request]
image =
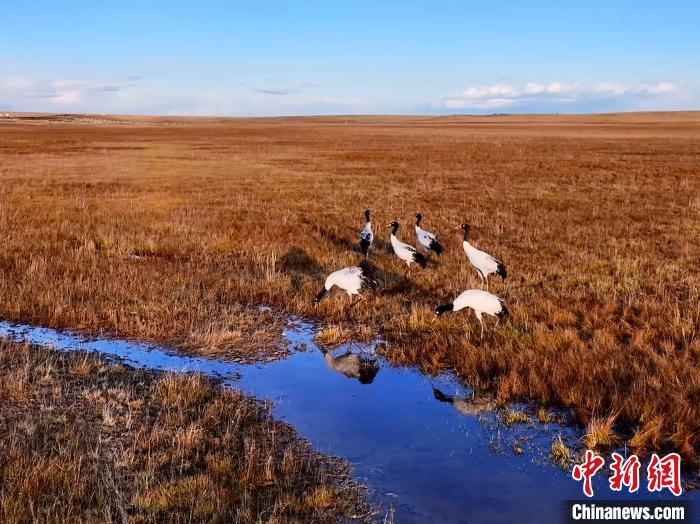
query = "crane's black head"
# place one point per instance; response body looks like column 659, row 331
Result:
column 368, row 214
column 320, row 295
column 419, row 217
column 465, row 229
column 394, row 227
column 445, row 308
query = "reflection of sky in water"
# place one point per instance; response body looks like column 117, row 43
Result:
column 420, row 456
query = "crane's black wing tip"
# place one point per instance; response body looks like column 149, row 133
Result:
column 501, row 270
column 371, row 274
column 364, row 246
column 436, row 247
column 420, row 259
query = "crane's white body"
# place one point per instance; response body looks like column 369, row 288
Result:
column 352, row 366
column 481, row 302
column 403, row 251
column 484, row 263
column 425, row 238
column 347, row 364
column 469, row 405
column 348, row 279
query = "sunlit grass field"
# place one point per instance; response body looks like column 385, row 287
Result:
column 175, row 230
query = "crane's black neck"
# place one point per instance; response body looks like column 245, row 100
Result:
column 439, row 395
column 445, row 308
column 320, row 295
column 367, row 218
column 465, row 230
column 394, row 229
column 419, row 217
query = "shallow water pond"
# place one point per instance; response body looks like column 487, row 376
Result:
column 426, row 449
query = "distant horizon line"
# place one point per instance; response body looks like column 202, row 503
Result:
column 11, row 114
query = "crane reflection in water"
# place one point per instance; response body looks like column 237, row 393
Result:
column 360, row 368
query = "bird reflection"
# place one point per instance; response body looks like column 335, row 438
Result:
column 467, row 405
column 352, row 366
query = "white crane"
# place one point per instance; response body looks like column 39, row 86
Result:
column 352, row 280
column 426, row 239
column 366, row 235
column 484, row 263
column 480, row 302
column 405, row 252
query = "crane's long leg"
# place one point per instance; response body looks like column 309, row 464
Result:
column 487, row 282
column 359, row 299
column 481, row 276
column 478, row 317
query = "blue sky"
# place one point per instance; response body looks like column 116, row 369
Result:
column 348, row 57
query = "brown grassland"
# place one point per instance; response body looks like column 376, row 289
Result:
column 85, row 440
column 597, row 218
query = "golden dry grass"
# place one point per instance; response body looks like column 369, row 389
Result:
column 560, row 454
column 511, row 417
column 596, row 217
column 600, row 434
column 120, row 445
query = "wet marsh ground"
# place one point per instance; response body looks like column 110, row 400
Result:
column 90, row 440
column 174, row 233
column 400, row 429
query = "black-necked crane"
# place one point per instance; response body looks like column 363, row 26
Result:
column 484, row 263
column 352, row 280
column 426, row 239
column 366, row 235
column 405, row 252
column 480, row 301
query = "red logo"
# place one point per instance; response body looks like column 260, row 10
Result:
column 587, row 470
column 625, row 473
column 662, row 473
column 665, row 473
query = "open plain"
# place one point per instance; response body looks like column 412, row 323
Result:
column 175, row 230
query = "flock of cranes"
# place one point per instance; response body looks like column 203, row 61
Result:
column 353, row 280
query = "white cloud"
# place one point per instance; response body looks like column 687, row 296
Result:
column 22, row 93
column 151, row 96
column 553, row 94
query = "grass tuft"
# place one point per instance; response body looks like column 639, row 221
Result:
column 560, row 453
column 513, row 417
column 600, row 435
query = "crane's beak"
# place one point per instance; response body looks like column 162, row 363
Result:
column 458, row 227
column 388, row 225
